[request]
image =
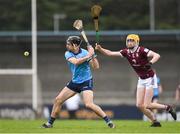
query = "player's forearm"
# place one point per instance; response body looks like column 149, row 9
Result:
column 90, row 49
column 81, row 60
column 155, row 58
column 95, row 63
column 105, row 51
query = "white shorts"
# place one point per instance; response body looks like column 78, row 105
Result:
column 148, row 83
column 73, row 102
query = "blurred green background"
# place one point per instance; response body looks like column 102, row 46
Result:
column 116, row 14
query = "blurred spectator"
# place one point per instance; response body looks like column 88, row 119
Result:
column 177, row 94
column 72, row 105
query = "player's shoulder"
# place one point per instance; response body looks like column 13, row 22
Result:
column 67, row 53
column 143, row 49
column 124, row 50
column 84, row 51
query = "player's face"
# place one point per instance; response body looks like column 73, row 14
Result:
column 130, row 43
column 71, row 47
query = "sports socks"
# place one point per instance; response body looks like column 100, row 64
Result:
column 107, row 119
column 51, row 120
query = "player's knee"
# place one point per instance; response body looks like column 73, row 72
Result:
column 89, row 105
column 58, row 101
column 140, row 106
column 147, row 106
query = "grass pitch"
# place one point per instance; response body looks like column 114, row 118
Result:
column 86, row 126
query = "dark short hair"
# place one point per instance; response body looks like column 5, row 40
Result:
column 74, row 40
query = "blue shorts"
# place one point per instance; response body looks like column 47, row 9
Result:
column 79, row 87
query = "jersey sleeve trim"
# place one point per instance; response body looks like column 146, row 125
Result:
column 69, row 57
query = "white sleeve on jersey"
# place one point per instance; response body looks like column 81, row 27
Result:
column 146, row 50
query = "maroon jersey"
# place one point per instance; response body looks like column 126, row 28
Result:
column 138, row 60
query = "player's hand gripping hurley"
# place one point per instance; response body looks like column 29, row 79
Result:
column 79, row 26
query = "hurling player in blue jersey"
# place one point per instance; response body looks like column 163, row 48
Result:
column 79, row 61
column 156, row 92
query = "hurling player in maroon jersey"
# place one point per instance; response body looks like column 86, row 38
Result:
column 138, row 58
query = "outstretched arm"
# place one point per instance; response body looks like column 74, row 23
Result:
column 107, row 52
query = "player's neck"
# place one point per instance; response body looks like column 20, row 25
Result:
column 77, row 50
column 134, row 49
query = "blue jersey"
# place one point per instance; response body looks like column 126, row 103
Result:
column 82, row 72
column 156, row 90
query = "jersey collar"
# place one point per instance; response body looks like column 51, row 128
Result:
column 80, row 50
column 134, row 49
